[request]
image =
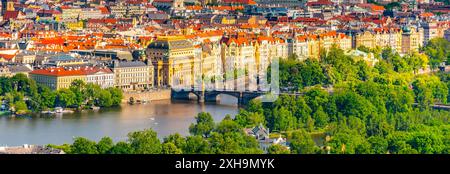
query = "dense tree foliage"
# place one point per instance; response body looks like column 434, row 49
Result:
column 204, row 125
column 385, row 108
column 438, row 50
column 278, row 149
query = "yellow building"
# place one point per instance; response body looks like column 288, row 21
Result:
column 210, row 65
column 366, row 39
column 75, row 25
column 228, row 20
column 238, row 55
column 224, row 19
column 173, row 60
column 264, row 55
column 310, row 46
column 343, row 41
column 388, row 37
column 57, row 78
column 326, row 40
column 313, row 47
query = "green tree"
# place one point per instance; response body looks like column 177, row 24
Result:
column 379, row 144
column 348, row 142
column 116, row 96
column 352, row 104
column 320, row 118
column 316, row 97
column 176, row 139
column 47, row 97
column 427, row 142
column 145, row 142
column 283, row 120
column 364, row 72
column 92, row 92
column 302, row 143
column 312, row 73
column 255, row 105
column 104, row 99
column 228, row 125
column 416, row 61
column 397, row 141
column 21, row 107
column 437, row 50
column 65, row 98
column 21, row 83
column 249, row 119
column 104, row 145
column 429, row 89
column 233, row 143
column 196, row 145
column 204, row 125
column 84, row 146
column 121, row 148
column 5, row 85
column 278, row 149
column 78, row 89
column 170, row 148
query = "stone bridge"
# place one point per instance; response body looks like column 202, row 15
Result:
column 244, row 97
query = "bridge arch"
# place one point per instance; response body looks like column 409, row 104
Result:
column 185, row 95
column 227, row 99
column 193, row 96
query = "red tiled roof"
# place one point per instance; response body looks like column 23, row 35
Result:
column 372, row 7
column 136, row 2
column 194, row 7
column 228, row 8
column 58, row 72
column 10, row 15
column 7, row 56
column 249, row 2
column 70, row 72
column 426, row 14
column 57, row 40
column 53, row 12
column 319, row 3
column 108, row 20
column 104, row 10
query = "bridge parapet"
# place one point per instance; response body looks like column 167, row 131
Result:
column 243, row 97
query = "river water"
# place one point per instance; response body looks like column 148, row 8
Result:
column 165, row 117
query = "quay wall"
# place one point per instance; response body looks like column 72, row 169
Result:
column 159, row 94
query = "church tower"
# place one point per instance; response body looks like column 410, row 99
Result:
column 10, row 6
column 178, row 4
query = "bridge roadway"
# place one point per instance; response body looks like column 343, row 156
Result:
column 244, row 97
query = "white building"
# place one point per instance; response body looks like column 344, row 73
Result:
column 103, row 77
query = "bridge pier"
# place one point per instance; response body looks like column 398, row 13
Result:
column 201, row 99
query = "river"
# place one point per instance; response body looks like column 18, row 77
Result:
column 165, row 117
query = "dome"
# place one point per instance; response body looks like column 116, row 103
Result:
column 406, row 29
